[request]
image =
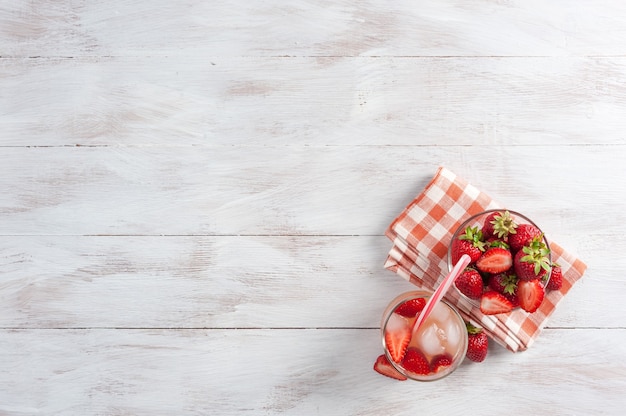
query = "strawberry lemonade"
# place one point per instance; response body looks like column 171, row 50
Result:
column 429, row 352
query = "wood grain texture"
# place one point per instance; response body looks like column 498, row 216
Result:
column 276, row 282
column 291, row 190
column 190, row 282
column 317, row 371
column 312, row 28
column 339, row 101
column 194, row 196
column 236, row 282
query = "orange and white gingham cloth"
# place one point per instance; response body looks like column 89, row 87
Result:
column 421, row 235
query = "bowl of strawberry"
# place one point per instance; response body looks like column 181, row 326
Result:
column 511, row 265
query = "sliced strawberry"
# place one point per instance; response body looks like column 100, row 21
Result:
column 440, row 362
column 493, row 302
column 530, row 294
column 495, row 260
column 411, row 307
column 384, row 367
column 415, row 362
column 397, row 336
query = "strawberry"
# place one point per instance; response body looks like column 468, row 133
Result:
column 499, row 224
column 411, row 307
column 440, row 362
column 523, row 235
column 496, row 242
column 532, row 261
column 397, row 337
column 556, row 278
column 505, row 283
column 470, row 242
column 495, row 260
column 492, row 303
column 415, row 362
column 530, row 294
column 470, row 283
column 513, row 298
column 384, row 367
column 477, row 343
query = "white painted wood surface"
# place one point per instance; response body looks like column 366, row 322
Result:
column 194, row 196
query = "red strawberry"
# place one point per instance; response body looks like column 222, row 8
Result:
column 415, row 362
column 532, row 261
column 513, row 298
column 411, row 307
column 487, row 228
column 556, row 278
column 505, row 283
column 523, row 235
column 477, row 343
column 470, row 242
column 384, row 367
column 495, row 260
column 470, row 283
column 492, row 303
column 498, row 224
column 397, row 337
column 440, row 362
column 496, row 242
column 530, row 294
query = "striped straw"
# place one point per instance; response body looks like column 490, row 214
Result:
column 441, row 290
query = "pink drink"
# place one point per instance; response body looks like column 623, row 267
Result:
column 442, row 337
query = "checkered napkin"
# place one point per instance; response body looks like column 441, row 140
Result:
column 421, row 235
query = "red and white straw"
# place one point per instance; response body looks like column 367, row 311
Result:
column 442, row 289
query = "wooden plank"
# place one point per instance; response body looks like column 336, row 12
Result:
column 312, row 27
column 285, row 190
column 312, row 101
column 240, row 282
column 194, row 282
column 226, row 372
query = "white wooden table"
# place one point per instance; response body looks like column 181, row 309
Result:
column 194, row 196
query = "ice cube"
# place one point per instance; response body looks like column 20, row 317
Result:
column 441, row 333
column 453, row 332
column 428, row 339
column 397, row 323
column 440, row 313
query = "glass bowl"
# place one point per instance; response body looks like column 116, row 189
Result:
column 478, row 220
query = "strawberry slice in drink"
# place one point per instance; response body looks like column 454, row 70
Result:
column 440, row 362
column 416, row 362
column 397, row 336
column 411, row 307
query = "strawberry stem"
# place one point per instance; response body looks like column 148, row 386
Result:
column 473, row 330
